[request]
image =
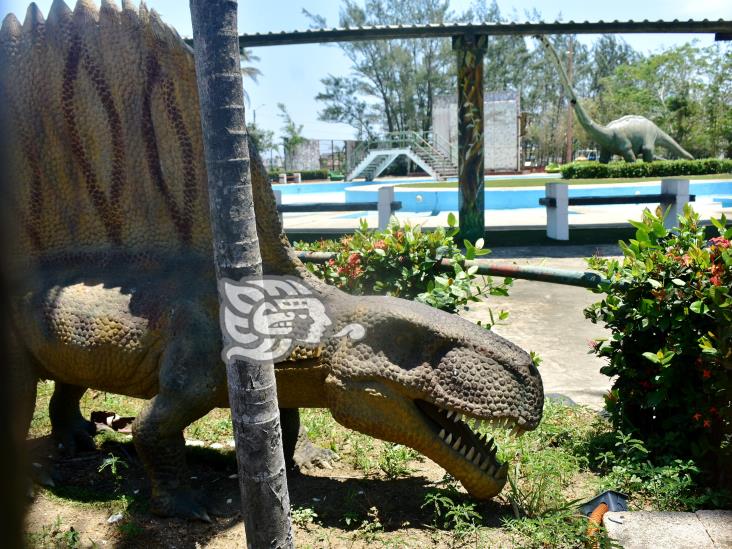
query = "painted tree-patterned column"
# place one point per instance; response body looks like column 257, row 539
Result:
column 471, row 140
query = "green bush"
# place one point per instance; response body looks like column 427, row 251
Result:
column 402, row 261
column 669, row 309
column 552, row 167
column 661, row 168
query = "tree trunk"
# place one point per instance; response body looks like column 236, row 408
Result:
column 252, row 388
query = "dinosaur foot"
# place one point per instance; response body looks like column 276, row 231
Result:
column 180, row 503
column 76, row 436
column 308, row 456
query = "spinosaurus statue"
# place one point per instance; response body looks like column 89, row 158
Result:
column 114, row 282
column 630, row 136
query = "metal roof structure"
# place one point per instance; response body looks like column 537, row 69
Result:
column 721, row 29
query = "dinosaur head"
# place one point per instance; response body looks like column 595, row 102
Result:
column 420, row 377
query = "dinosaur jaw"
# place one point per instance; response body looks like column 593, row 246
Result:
column 383, row 411
column 475, row 452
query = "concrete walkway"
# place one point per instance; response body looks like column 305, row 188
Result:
column 547, row 319
column 644, row 530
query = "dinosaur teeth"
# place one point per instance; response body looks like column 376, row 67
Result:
column 485, row 465
column 442, row 433
column 477, row 459
column 448, row 440
column 449, row 414
column 470, row 454
column 457, row 443
column 463, row 450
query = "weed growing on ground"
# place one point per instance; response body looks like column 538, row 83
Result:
column 394, row 460
column 304, row 517
column 55, row 536
column 451, row 511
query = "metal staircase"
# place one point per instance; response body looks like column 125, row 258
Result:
column 371, row 158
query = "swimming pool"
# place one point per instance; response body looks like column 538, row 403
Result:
column 424, row 199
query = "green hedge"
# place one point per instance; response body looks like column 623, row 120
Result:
column 661, row 168
column 307, row 175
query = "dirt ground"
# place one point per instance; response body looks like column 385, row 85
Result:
column 353, row 509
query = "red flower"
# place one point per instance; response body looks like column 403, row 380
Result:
column 354, row 259
column 716, row 280
column 707, row 423
column 331, row 262
column 713, row 411
column 706, row 374
column 697, row 416
column 720, row 242
column 686, row 260
column 380, row 245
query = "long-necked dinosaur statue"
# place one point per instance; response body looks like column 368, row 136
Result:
column 631, row 136
column 114, row 281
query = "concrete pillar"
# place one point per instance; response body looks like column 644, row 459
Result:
column 298, row 177
column 679, row 188
column 470, row 51
column 283, row 178
column 386, row 197
column 278, row 202
column 557, row 217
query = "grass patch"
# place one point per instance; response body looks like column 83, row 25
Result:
column 571, row 457
column 541, row 181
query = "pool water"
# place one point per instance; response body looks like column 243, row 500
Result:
column 432, row 201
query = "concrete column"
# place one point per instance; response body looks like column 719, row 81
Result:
column 283, row 178
column 386, row 197
column 557, row 217
column 298, row 177
column 679, row 188
column 470, row 51
column 278, row 202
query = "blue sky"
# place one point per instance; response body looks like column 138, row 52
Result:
column 291, row 74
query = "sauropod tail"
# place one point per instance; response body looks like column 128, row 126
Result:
column 667, row 141
column 106, row 151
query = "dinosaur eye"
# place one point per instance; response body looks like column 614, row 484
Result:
column 402, row 340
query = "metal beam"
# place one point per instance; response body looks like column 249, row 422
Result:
column 583, row 279
column 720, row 27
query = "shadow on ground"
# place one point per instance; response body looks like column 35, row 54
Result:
column 341, row 498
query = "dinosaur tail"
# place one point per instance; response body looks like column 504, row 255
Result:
column 667, row 141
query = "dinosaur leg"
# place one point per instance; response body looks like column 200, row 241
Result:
column 23, row 378
column 191, row 382
column 647, row 152
column 605, row 156
column 300, row 453
column 158, row 436
column 70, row 430
column 628, row 155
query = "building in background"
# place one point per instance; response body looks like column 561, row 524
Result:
column 502, row 129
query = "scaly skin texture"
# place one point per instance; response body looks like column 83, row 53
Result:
column 114, row 282
column 631, row 136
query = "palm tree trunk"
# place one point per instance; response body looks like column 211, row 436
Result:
column 252, row 388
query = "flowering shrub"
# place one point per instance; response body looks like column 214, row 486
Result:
column 669, row 309
column 402, row 261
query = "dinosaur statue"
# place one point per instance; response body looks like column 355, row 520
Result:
column 114, row 287
column 629, row 136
